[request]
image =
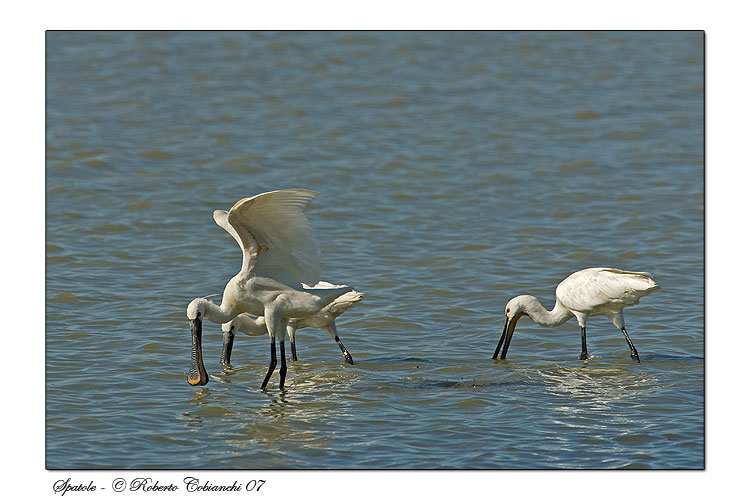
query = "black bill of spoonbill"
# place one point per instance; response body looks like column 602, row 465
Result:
column 597, row 291
column 279, row 255
column 325, row 320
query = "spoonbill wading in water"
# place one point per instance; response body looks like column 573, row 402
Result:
column 590, row 292
column 279, row 254
column 325, row 320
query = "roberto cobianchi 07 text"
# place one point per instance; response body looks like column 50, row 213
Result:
column 149, row 485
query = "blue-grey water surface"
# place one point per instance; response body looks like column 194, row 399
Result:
column 455, row 171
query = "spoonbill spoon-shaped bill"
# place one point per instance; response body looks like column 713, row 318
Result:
column 325, row 320
column 595, row 291
column 279, row 255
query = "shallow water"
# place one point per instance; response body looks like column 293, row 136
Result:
column 455, row 171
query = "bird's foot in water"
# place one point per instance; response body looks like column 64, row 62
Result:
column 348, row 358
column 584, row 356
column 634, row 355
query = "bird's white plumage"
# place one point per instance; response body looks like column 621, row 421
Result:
column 325, row 319
column 276, row 238
column 247, row 324
column 599, row 289
column 280, row 255
column 588, row 292
column 253, row 325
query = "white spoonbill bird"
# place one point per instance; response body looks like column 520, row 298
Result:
column 590, row 292
column 279, row 254
column 325, row 320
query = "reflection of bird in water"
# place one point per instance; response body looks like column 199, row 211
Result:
column 279, row 254
column 325, row 320
column 590, row 292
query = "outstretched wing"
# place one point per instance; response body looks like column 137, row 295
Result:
column 594, row 288
column 276, row 238
column 221, row 217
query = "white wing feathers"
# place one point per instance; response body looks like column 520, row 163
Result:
column 593, row 288
column 276, row 238
column 221, row 218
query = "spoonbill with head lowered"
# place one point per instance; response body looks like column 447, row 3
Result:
column 325, row 320
column 279, row 254
column 589, row 292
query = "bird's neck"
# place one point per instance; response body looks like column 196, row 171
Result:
column 248, row 324
column 217, row 314
column 536, row 311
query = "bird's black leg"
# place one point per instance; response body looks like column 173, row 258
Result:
column 271, row 365
column 226, row 350
column 282, row 370
column 347, row 356
column 584, row 351
column 633, row 352
column 294, row 349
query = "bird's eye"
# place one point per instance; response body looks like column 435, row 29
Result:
column 507, row 311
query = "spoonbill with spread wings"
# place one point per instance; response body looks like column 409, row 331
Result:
column 279, row 255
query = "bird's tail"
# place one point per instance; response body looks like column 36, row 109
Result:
column 328, row 295
column 643, row 281
column 344, row 302
column 639, row 285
